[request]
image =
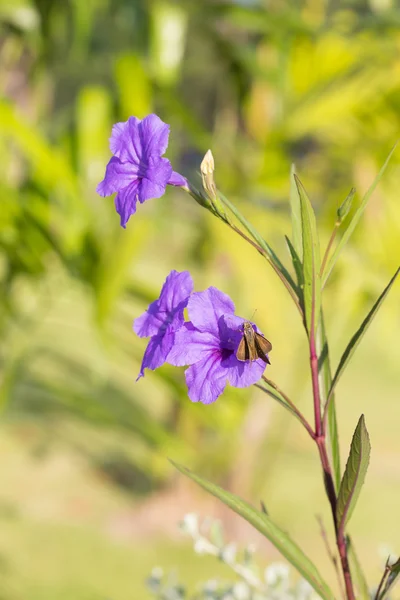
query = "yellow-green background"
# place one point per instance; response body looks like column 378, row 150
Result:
column 88, row 501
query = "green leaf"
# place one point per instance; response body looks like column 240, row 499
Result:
column 357, row 573
column 295, row 211
column 311, row 261
column 345, row 207
column 298, row 267
column 357, row 337
column 356, row 217
column 393, row 578
column 274, row 393
column 268, row 529
column 325, row 377
column 272, row 258
column 354, row 475
column 268, row 389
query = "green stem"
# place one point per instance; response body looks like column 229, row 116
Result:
column 328, row 248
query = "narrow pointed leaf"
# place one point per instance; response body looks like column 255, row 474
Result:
column 325, row 377
column 354, row 475
column 295, row 211
column 268, row 389
column 357, row 573
column 311, row 261
column 353, row 223
column 392, row 579
column 298, row 268
column 357, row 337
column 262, row 522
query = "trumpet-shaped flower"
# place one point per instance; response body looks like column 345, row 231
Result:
column 208, row 343
column 163, row 318
column 137, row 170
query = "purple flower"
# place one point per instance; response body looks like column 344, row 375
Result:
column 163, row 318
column 208, row 343
column 137, row 170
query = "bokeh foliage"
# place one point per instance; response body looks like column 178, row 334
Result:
column 264, row 85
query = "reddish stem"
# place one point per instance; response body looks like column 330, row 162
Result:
column 320, row 440
column 315, row 382
column 331, row 555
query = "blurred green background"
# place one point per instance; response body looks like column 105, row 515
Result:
column 88, row 501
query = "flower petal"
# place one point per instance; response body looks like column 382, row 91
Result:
column 155, row 179
column 177, row 179
column 118, row 176
column 206, row 379
column 167, row 311
column 154, row 135
column 125, row 202
column 149, row 323
column 176, row 290
column 125, row 141
column 191, row 345
column 242, row 374
column 230, row 328
column 156, row 352
column 205, row 309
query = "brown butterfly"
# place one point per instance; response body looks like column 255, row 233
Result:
column 253, row 345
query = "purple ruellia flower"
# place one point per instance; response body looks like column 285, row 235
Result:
column 137, row 170
column 208, row 343
column 163, row 318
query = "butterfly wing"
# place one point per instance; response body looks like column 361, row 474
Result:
column 242, row 353
column 263, row 347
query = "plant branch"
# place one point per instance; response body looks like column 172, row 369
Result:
column 315, row 381
column 331, row 554
column 293, row 407
column 215, row 207
column 320, row 439
column 383, row 579
column 329, row 246
column 263, row 253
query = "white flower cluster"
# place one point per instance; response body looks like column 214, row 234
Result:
column 250, row 582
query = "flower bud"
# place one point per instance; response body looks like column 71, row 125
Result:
column 207, row 175
column 345, row 207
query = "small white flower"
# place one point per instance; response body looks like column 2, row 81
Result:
column 203, row 546
column 157, row 573
column 276, row 573
column 228, row 553
column 190, row 524
column 304, row 590
column 241, row 591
